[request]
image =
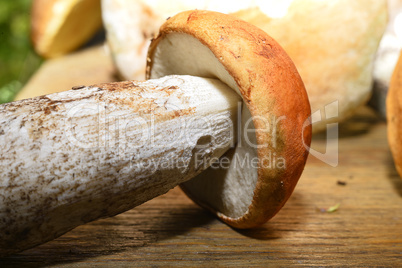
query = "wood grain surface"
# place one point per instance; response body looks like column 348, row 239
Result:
column 170, row 230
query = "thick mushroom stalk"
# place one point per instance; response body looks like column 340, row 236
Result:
column 73, row 157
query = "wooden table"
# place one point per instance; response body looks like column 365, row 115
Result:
column 170, row 230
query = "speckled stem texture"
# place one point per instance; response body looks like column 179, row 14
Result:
column 91, row 152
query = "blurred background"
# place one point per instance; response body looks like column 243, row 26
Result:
column 18, row 61
column 66, row 35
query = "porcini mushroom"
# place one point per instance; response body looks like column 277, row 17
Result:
column 73, row 157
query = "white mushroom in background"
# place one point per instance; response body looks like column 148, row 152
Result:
column 387, row 56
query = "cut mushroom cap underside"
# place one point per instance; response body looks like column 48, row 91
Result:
column 253, row 181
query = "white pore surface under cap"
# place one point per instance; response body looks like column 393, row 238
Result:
column 230, row 188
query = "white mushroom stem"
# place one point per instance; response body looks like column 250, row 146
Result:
column 73, row 157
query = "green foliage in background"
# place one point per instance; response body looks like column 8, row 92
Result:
column 18, row 61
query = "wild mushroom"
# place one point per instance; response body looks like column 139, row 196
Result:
column 61, row 26
column 73, row 157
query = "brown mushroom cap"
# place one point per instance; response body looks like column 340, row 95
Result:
column 211, row 44
column 394, row 115
column 61, row 26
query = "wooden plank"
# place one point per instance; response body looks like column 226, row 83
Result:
column 171, row 231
